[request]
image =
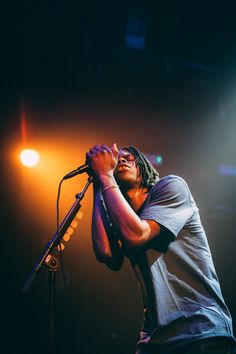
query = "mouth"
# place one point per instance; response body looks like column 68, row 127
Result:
column 122, row 167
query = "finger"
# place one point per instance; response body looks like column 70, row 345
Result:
column 114, row 147
column 115, row 150
column 106, row 148
column 97, row 148
column 88, row 156
column 93, row 151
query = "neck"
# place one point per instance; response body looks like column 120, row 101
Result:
column 136, row 197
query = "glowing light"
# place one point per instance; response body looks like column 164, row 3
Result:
column 60, row 247
column 29, row 157
column 70, row 231
column 66, row 237
column 155, row 159
column 79, row 215
column 227, row 170
column 159, row 160
column 74, row 224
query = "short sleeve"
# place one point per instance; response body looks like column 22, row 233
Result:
column 169, row 204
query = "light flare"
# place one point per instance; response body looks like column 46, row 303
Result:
column 29, row 157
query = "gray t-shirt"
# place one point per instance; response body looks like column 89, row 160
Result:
column 181, row 292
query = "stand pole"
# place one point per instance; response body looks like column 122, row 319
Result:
column 46, row 258
column 52, row 262
column 52, row 282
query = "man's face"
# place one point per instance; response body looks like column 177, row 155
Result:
column 127, row 170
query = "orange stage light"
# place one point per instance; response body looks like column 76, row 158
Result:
column 29, row 157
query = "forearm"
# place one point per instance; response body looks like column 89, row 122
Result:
column 100, row 228
column 131, row 228
column 107, row 247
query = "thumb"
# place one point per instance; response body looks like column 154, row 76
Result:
column 115, row 150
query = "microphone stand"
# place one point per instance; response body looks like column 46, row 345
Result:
column 51, row 262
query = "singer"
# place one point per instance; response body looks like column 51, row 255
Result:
column 156, row 224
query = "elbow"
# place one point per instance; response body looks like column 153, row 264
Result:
column 134, row 241
column 113, row 263
column 102, row 256
column 135, row 238
column 136, row 235
column 142, row 234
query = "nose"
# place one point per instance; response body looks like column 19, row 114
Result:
column 121, row 159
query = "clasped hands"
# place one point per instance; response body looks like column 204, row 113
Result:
column 102, row 159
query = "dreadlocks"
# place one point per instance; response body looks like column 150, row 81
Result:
column 148, row 173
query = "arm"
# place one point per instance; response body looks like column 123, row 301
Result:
column 106, row 245
column 134, row 231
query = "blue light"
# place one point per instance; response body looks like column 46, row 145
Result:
column 159, row 160
column 227, row 170
column 155, row 159
column 135, row 29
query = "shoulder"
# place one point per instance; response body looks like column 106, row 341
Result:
column 169, row 181
column 169, row 188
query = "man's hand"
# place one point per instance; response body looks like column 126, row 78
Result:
column 103, row 160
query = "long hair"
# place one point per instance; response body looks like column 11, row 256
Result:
column 147, row 171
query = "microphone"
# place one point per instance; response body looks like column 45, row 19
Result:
column 81, row 169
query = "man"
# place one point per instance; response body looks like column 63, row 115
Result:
column 156, row 224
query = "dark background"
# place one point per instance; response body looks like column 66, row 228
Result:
column 67, row 71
